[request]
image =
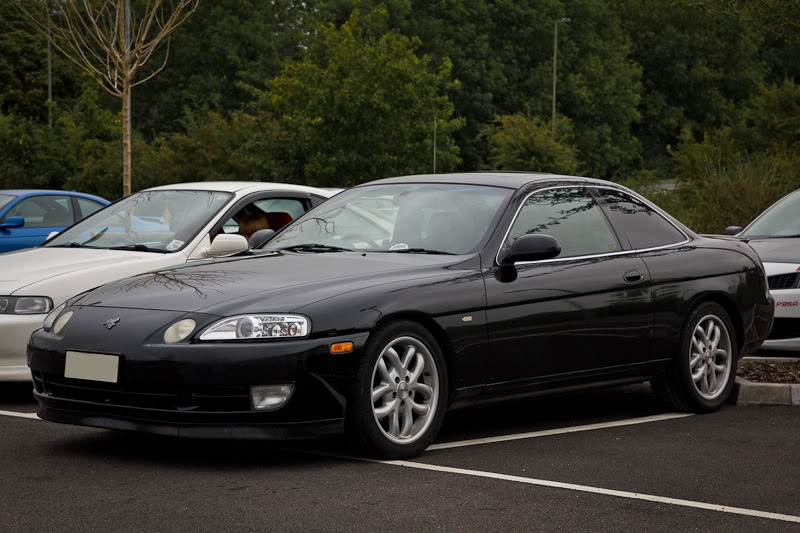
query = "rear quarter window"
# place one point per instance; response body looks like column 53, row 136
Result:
column 644, row 227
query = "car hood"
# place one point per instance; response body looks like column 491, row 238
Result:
column 272, row 282
column 73, row 270
column 777, row 250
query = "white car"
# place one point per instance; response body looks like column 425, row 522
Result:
column 149, row 230
column 775, row 236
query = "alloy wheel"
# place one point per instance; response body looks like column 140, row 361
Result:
column 710, row 357
column 405, row 390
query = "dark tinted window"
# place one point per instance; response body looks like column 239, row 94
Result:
column 88, row 207
column 44, row 211
column 570, row 215
column 644, row 227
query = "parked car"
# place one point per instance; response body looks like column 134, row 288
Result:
column 376, row 311
column 151, row 229
column 775, row 235
column 27, row 217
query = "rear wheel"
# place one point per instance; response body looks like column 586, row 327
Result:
column 702, row 374
column 399, row 395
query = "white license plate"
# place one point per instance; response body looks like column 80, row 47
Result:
column 92, row 366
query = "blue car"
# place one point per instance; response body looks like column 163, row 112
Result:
column 27, row 217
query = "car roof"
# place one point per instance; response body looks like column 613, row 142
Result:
column 510, row 180
column 238, row 186
column 36, row 192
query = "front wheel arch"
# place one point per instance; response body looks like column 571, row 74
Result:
column 439, row 334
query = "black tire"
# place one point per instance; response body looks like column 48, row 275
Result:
column 361, row 426
column 677, row 388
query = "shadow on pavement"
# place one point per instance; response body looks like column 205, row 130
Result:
column 500, row 419
column 17, row 395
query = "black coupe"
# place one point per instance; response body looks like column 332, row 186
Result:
column 398, row 299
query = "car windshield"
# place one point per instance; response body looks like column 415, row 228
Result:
column 411, row 218
column 157, row 221
column 4, row 199
column 780, row 220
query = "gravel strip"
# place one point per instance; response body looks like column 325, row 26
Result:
column 772, row 372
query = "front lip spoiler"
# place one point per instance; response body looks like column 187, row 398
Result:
column 271, row 431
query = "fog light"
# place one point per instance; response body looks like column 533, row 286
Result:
column 270, row 397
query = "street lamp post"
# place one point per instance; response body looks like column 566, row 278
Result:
column 565, row 20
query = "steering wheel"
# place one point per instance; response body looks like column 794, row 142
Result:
column 360, row 237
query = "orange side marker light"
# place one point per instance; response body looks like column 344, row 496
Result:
column 342, row 347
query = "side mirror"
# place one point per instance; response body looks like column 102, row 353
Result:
column 227, row 245
column 530, row 247
column 733, row 230
column 258, row 238
column 13, row 222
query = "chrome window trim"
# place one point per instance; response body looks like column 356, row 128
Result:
column 592, row 256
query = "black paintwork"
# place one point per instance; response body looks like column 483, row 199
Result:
column 532, row 328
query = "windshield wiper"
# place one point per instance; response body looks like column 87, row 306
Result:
column 72, row 244
column 318, row 248
column 138, row 248
column 420, row 251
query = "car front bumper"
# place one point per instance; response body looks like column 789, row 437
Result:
column 202, row 390
column 785, row 334
column 15, row 330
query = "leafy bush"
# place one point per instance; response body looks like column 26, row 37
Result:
column 518, row 142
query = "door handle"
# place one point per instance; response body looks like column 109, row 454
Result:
column 632, row 276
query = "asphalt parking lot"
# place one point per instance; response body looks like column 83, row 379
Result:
column 603, row 461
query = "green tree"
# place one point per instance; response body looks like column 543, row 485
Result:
column 502, row 52
column 517, row 142
column 360, row 105
column 698, row 70
column 226, row 46
column 23, row 69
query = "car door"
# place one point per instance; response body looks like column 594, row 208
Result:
column 43, row 214
column 589, row 308
column 660, row 244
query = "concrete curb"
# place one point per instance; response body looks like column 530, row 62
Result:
column 750, row 393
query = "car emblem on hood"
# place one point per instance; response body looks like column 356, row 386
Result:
column 110, row 323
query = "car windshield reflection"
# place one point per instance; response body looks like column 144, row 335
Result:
column 159, row 221
column 412, row 218
column 779, row 221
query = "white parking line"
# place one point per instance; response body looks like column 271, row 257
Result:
column 20, row 415
column 543, row 482
column 595, row 490
column 558, row 431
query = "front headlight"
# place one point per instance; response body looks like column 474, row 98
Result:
column 25, row 305
column 51, row 318
column 179, row 331
column 258, row 327
column 61, row 322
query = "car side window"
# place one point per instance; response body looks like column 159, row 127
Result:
column 294, row 208
column 44, row 211
column 643, row 226
column 272, row 213
column 88, row 207
column 570, row 215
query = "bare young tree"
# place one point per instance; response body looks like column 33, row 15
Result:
column 112, row 42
